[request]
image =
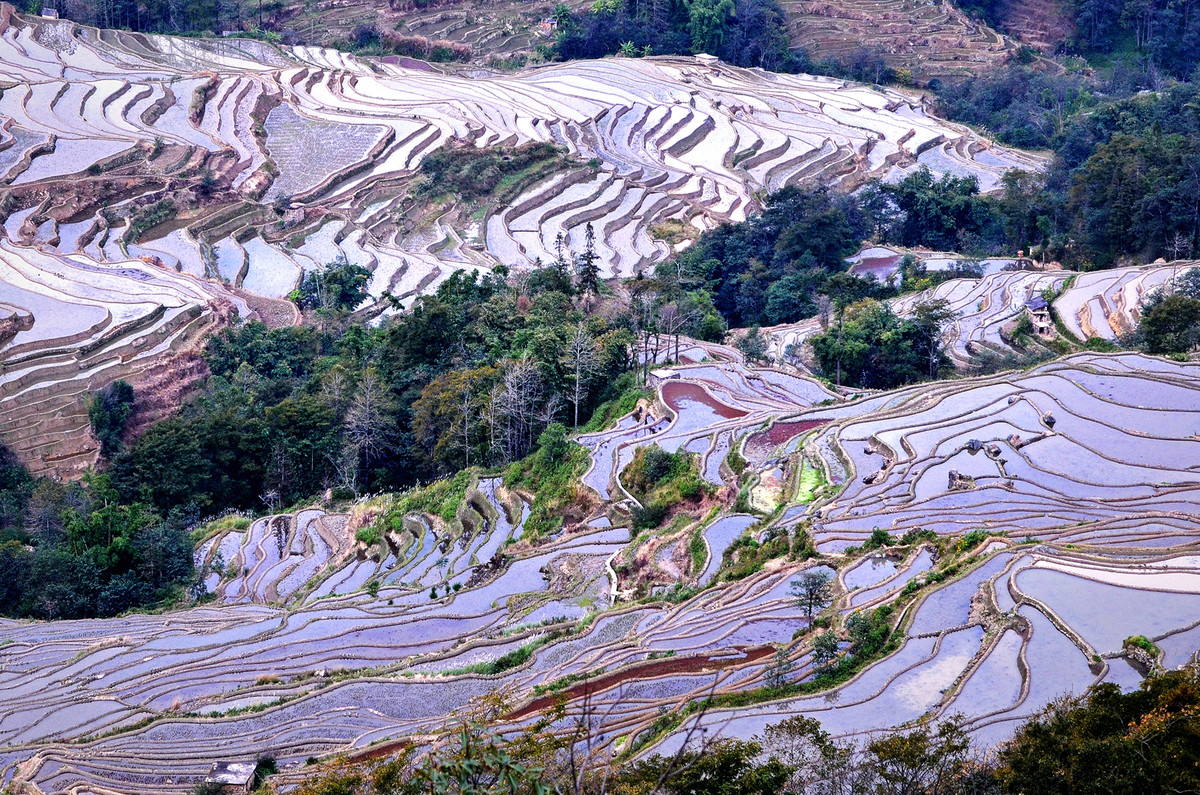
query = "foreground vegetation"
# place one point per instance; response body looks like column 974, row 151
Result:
column 1103, row 742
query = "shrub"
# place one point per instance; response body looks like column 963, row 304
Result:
column 660, row 480
column 550, row 478
column 879, row 538
column 1143, row 643
column 370, row 535
column 108, row 412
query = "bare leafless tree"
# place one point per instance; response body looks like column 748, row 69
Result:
column 672, row 320
column 345, row 468
column 517, row 407
column 644, row 312
column 466, row 407
column 824, row 310
column 369, row 425
column 583, row 359
column 1180, row 245
column 334, row 389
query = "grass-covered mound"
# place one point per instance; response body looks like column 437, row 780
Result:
column 660, row 481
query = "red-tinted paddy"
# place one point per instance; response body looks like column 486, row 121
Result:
column 763, row 442
column 685, row 396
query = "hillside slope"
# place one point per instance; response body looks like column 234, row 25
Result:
column 932, row 39
column 319, row 645
column 209, row 159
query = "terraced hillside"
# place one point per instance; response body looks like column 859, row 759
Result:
column 71, row 325
column 494, row 29
column 1105, row 305
column 209, row 161
column 931, row 39
column 1108, row 304
column 1079, row 481
column 666, row 139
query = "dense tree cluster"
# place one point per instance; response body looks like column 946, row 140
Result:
column 472, row 375
column 78, row 550
column 161, row 16
column 741, row 32
column 1125, row 180
column 788, row 262
column 1164, row 34
column 770, row 268
column 339, row 286
column 1142, row 41
column 870, row 346
column 1171, row 316
column 108, row 412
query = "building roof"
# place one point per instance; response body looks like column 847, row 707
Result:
column 236, row 773
column 1036, row 304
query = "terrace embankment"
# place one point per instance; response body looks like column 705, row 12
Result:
column 89, row 326
column 311, row 625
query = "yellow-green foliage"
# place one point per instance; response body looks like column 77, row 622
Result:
column 811, row 479
column 1143, row 643
column 472, row 172
column 225, row 523
column 608, row 413
column 440, row 498
column 370, row 534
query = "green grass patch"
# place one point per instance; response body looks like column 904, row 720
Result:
column 812, row 478
column 551, row 474
column 370, row 535
column 746, row 556
column 563, row 683
column 1101, row 345
column 506, row 662
column 735, row 461
column 440, row 498
column 1143, row 643
column 472, row 172
column 149, row 217
column 698, row 550
column 233, row 521
column 630, row 392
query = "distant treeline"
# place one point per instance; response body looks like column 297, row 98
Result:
column 161, row 16
column 739, row 32
column 1124, row 185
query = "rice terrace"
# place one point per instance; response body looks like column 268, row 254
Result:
column 479, row 398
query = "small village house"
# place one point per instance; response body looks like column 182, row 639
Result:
column 1039, row 312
